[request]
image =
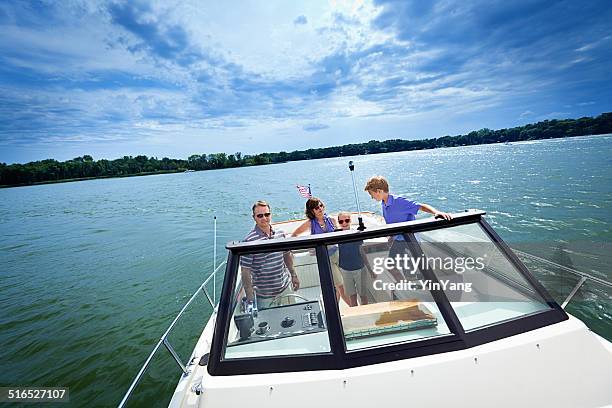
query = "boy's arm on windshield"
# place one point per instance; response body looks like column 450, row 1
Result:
column 439, row 214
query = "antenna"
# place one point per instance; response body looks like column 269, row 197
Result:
column 361, row 227
column 215, row 260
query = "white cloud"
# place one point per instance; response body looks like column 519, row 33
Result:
column 161, row 72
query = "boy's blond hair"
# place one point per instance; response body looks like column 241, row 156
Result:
column 345, row 213
column 377, row 183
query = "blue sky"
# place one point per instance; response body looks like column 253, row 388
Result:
column 175, row 78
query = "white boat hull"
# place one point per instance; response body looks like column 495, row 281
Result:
column 532, row 369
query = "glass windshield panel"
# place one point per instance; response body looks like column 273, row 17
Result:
column 483, row 286
column 272, row 318
column 380, row 301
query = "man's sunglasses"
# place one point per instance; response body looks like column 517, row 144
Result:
column 267, row 215
column 343, row 221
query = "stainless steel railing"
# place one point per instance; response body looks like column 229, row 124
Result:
column 584, row 277
column 164, row 338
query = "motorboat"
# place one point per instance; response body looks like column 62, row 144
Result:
column 453, row 318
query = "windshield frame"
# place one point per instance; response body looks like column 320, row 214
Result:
column 339, row 357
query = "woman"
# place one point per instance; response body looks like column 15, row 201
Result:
column 318, row 223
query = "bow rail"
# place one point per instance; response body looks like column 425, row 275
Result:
column 582, row 275
column 164, row 338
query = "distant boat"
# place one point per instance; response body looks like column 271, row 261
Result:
column 507, row 143
column 189, row 171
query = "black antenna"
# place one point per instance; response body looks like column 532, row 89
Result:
column 361, row 227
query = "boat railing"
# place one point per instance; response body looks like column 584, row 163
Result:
column 164, row 338
column 583, row 276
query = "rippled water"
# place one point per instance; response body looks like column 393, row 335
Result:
column 93, row 272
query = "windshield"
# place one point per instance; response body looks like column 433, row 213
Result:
column 278, row 320
column 384, row 288
column 482, row 284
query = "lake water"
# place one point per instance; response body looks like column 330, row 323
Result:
column 92, row 273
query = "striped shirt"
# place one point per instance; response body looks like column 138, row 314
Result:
column 268, row 270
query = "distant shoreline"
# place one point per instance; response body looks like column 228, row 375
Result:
column 85, row 168
column 38, row 183
column 267, row 164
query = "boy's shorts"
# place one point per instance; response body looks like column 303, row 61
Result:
column 333, row 260
column 353, row 281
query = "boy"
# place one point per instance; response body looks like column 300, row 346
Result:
column 351, row 265
column 398, row 209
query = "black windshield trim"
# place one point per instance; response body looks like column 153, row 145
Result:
column 330, row 238
column 339, row 358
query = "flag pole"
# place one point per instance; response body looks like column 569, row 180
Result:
column 361, row 227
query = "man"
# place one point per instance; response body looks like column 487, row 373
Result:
column 268, row 275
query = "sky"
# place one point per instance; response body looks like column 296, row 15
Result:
column 175, row 78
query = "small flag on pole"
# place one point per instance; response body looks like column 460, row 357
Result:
column 304, row 191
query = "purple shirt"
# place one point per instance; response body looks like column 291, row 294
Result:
column 315, row 228
column 399, row 209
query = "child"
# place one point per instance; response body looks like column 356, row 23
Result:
column 398, row 209
column 351, row 265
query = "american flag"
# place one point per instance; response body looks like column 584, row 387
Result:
column 304, row 191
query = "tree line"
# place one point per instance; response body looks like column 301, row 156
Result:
column 79, row 168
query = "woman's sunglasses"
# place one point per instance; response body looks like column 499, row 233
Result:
column 263, row 215
column 343, row 221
